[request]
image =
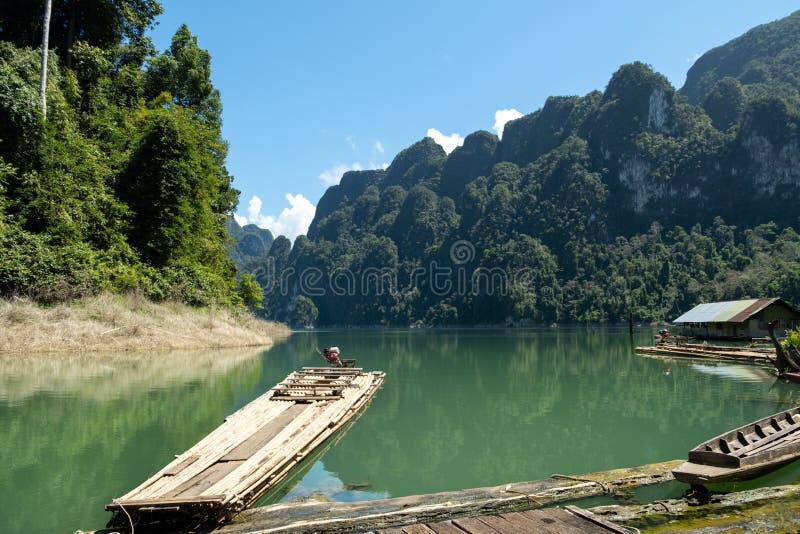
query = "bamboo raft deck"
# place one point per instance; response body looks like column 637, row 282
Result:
column 567, row 520
column 713, row 352
column 251, row 451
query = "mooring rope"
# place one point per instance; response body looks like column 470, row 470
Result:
column 605, row 488
column 664, row 504
column 528, row 495
column 116, row 501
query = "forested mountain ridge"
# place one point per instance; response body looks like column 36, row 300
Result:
column 763, row 60
column 639, row 198
column 123, row 185
column 248, row 245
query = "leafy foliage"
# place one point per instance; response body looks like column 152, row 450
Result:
column 120, row 188
column 793, row 337
column 101, row 23
column 249, row 290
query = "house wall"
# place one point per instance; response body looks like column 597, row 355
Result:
column 758, row 323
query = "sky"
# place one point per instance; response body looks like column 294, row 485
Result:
column 311, row 89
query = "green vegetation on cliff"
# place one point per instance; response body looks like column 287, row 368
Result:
column 124, row 185
column 639, row 199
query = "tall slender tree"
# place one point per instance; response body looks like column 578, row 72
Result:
column 45, row 37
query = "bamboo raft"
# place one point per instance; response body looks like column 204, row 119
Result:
column 251, row 451
column 713, row 352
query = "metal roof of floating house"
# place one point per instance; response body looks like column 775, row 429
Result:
column 734, row 311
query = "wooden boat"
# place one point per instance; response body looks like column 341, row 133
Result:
column 745, row 452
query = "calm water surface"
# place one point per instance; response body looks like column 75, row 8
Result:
column 458, row 409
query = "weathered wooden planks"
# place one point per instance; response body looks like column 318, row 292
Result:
column 253, row 449
column 568, row 520
column 433, row 508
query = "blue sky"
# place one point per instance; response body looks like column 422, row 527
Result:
column 310, row 89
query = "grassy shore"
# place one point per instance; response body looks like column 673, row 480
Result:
column 128, row 322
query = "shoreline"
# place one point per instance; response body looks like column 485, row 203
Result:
column 129, row 323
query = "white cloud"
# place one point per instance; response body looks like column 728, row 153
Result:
column 501, row 117
column 254, row 208
column 375, row 165
column 334, row 174
column 694, row 57
column 241, row 221
column 292, row 221
column 352, row 142
column 447, row 142
column 379, row 147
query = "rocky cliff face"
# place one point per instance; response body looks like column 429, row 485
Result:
column 775, row 169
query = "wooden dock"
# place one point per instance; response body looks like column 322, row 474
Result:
column 344, row 517
column 251, row 451
column 567, row 520
column 711, row 352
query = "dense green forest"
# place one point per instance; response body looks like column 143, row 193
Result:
column 122, row 184
column 638, row 199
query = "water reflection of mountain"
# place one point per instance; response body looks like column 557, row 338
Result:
column 473, row 408
column 77, row 432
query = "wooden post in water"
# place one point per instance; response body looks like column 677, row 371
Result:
column 630, row 322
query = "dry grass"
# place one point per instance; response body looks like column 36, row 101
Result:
column 127, row 322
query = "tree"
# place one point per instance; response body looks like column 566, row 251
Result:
column 304, row 313
column 45, row 36
column 184, row 71
column 250, row 292
column 102, row 23
column 178, row 191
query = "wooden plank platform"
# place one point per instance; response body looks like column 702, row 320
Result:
column 343, row 517
column 567, row 520
column 252, row 450
column 711, row 352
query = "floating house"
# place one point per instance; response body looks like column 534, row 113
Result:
column 738, row 319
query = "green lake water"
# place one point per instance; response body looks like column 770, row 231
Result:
column 459, row 409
